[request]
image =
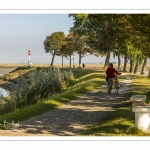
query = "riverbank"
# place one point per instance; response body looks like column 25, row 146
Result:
column 6, row 86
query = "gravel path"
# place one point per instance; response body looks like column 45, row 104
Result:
column 73, row 117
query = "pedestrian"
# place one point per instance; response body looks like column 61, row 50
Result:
column 110, row 72
column 83, row 65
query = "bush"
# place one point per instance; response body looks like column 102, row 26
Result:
column 6, row 105
column 40, row 83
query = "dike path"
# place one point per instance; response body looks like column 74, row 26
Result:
column 72, row 118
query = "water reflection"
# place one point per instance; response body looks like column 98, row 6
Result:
column 3, row 92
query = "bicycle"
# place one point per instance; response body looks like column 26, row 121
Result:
column 117, row 84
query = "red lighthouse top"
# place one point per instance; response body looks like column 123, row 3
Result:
column 29, row 52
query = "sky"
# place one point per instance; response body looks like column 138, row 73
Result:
column 27, row 25
column 21, row 32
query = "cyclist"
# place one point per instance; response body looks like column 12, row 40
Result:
column 110, row 72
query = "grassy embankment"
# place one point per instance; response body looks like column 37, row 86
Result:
column 85, row 80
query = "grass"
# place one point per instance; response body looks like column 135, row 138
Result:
column 85, row 83
column 141, row 85
column 120, row 123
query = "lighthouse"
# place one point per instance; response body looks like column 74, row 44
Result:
column 29, row 62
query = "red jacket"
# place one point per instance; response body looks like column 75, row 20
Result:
column 111, row 72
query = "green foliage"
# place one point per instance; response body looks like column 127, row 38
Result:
column 6, row 105
column 53, row 44
column 40, row 83
column 140, row 85
column 127, row 35
column 68, row 47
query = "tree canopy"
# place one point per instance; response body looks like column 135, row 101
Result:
column 54, row 43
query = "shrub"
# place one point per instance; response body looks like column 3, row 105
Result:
column 40, row 83
column 6, row 105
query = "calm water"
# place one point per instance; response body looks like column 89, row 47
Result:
column 3, row 91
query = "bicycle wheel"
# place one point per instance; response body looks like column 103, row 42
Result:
column 117, row 90
column 117, row 87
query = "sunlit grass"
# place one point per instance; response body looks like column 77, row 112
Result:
column 141, row 86
column 120, row 123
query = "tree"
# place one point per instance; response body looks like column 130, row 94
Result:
column 80, row 21
column 141, row 24
column 108, row 33
column 144, row 65
column 63, row 52
column 82, row 48
column 113, row 32
column 107, row 59
column 70, row 46
column 53, row 44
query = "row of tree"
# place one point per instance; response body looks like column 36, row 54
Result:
column 124, row 35
column 58, row 44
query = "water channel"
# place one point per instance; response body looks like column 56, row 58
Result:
column 3, row 91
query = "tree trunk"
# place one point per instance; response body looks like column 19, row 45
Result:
column 62, row 61
column 119, row 62
column 70, row 61
column 107, row 60
column 80, row 60
column 137, row 64
column 144, row 65
column 53, row 59
column 131, row 66
column 125, row 63
column 149, row 72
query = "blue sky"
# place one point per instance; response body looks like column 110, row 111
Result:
column 28, row 28
column 19, row 32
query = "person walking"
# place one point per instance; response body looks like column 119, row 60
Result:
column 110, row 72
column 83, row 65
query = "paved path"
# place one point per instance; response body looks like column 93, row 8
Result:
column 73, row 117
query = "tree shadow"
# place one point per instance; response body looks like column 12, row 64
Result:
column 72, row 119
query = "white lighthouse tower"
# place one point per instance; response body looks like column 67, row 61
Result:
column 29, row 61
